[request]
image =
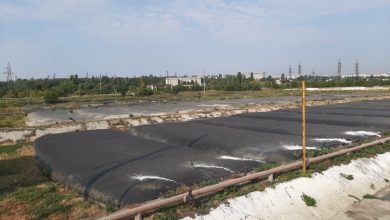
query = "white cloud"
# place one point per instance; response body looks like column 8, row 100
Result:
column 50, row 10
column 135, row 26
column 219, row 17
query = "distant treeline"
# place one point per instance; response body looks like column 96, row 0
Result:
column 51, row 89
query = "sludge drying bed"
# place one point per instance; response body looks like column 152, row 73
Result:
column 119, row 168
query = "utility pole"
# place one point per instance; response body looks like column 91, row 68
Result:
column 357, row 68
column 204, row 82
column 339, row 69
column 299, row 69
column 8, row 72
column 115, row 95
column 167, row 81
column 100, row 84
column 290, row 71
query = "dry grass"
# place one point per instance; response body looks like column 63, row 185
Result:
column 14, row 117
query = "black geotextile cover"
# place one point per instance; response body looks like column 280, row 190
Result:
column 104, row 165
column 119, row 168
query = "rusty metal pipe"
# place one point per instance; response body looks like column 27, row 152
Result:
column 159, row 203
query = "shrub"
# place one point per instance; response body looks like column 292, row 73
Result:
column 144, row 92
column 368, row 196
column 309, row 201
column 51, row 96
column 348, row 177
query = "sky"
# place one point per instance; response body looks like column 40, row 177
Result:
column 138, row 37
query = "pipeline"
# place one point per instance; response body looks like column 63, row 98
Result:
column 159, row 203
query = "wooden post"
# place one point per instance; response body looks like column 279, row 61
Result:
column 138, row 216
column 303, row 127
column 271, row 178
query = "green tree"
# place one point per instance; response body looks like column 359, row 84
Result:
column 51, row 96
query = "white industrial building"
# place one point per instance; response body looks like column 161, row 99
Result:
column 256, row 76
column 174, row 81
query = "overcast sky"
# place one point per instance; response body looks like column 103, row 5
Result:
column 134, row 37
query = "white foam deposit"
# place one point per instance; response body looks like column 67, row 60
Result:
column 144, row 178
column 14, row 135
column 363, row 133
column 225, row 157
column 352, row 88
column 203, row 165
column 298, row 147
column 332, row 192
column 326, row 140
column 94, row 125
column 56, row 130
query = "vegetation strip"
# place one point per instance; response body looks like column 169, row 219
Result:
column 159, row 203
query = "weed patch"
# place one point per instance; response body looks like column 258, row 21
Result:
column 208, row 182
column 25, row 193
column 43, row 201
column 368, row 196
column 10, row 149
column 309, row 201
column 167, row 214
column 109, row 209
column 265, row 166
column 348, row 177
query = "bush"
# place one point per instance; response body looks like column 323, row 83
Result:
column 368, row 196
column 51, row 96
column 36, row 93
column 309, row 201
column 179, row 88
column 144, row 92
column 348, row 177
